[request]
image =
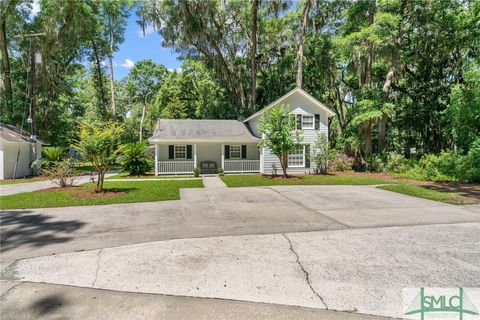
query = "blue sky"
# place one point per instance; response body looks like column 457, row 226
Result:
column 138, row 47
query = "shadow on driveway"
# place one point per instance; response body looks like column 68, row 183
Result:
column 27, row 228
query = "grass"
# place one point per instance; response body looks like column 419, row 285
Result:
column 425, row 193
column 249, row 180
column 126, row 192
column 21, row 180
column 125, row 175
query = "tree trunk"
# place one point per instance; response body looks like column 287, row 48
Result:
column 112, row 78
column 367, row 137
column 33, row 85
column 7, row 83
column 382, row 133
column 144, row 110
column 253, row 84
column 100, row 90
column 299, row 57
column 284, row 163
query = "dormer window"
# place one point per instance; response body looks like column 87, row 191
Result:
column 308, row 122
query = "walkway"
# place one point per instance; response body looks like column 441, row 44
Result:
column 214, row 183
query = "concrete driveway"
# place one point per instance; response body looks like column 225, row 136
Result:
column 244, row 237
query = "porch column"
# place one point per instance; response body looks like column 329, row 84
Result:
column 156, row 159
column 261, row 159
column 223, row 157
column 194, row 155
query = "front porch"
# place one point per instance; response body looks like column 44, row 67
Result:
column 181, row 158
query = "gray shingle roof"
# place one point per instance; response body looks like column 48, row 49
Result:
column 202, row 130
column 15, row 134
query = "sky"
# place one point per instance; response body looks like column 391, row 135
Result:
column 138, row 47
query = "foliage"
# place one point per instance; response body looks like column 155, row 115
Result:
column 99, row 145
column 320, row 153
column 62, row 173
column 279, row 134
column 196, row 172
column 50, row 156
column 121, row 192
column 221, row 172
column 339, row 162
column 134, row 158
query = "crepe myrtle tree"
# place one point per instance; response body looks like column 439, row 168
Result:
column 279, row 134
column 100, row 145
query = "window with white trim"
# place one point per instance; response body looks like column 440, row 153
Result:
column 296, row 157
column 180, row 152
column 235, row 152
column 308, row 122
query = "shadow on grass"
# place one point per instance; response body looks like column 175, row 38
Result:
column 471, row 192
column 27, row 228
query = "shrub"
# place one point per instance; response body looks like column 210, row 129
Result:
column 134, row 158
column 376, row 163
column 472, row 162
column 397, row 163
column 339, row 162
column 196, row 172
column 62, row 173
column 50, row 156
column 221, row 172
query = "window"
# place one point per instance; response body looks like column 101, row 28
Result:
column 180, row 152
column 235, row 152
column 308, row 122
column 296, row 158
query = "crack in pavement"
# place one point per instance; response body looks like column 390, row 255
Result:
column 98, row 267
column 307, row 275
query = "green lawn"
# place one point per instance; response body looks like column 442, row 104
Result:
column 20, row 180
column 422, row 192
column 136, row 191
column 248, row 180
column 125, row 175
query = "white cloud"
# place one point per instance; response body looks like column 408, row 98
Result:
column 149, row 29
column 176, row 69
column 128, row 64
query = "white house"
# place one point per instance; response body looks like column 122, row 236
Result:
column 17, row 152
column 182, row 145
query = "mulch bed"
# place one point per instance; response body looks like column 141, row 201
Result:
column 56, row 189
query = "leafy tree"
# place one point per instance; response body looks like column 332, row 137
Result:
column 144, row 80
column 99, row 145
column 279, row 134
column 320, row 153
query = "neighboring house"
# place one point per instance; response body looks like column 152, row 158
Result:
column 17, row 152
column 182, row 145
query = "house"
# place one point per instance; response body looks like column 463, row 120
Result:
column 182, row 145
column 17, row 152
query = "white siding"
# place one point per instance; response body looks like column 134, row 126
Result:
column 297, row 104
column 9, row 153
column 210, row 152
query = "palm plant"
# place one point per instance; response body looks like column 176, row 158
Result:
column 50, row 156
column 134, row 158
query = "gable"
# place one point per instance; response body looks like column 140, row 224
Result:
column 298, row 100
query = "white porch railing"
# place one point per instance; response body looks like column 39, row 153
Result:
column 231, row 166
column 175, row 167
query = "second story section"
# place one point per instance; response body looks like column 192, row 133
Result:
column 311, row 115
